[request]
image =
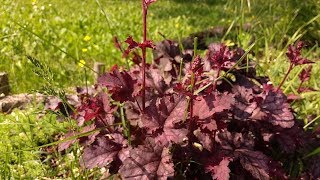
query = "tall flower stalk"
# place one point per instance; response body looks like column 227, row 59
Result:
column 294, row 56
column 143, row 46
column 146, row 43
column 144, row 20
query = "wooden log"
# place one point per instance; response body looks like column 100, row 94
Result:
column 99, row 68
column 8, row 103
column 4, row 84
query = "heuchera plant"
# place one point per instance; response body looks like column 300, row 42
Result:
column 191, row 117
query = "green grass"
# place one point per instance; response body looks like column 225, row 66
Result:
column 20, row 132
column 65, row 24
column 54, row 31
column 62, row 26
column 25, row 145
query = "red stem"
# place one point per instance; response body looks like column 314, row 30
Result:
column 285, row 77
column 193, row 82
column 144, row 18
column 300, row 85
column 191, row 122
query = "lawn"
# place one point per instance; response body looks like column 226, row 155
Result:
column 61, row 33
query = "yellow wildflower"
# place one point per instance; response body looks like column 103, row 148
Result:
column 84, row 50
column 81, row 63
column 229, row 43
column 87, row 38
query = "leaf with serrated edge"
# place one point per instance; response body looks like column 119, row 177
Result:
column 220, row 171
column 206, row 106
column 103, row 151
column 149, row 161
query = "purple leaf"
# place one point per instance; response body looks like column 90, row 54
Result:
column 67, row 144
column 167, row 57
column 260, row 165
column 220, row 171
column 208, row 125
column 163, row 115
column 314, row 167
column 291, row 139
column 103, row 151
column 72, row 135
column 205, row 139
column 149, row 161
column 255, row 105
column 255, row 162
column 275, row 109
column 234, row 140
column 206, row 106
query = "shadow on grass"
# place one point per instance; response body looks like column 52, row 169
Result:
column 209, row 2
column 198, row 13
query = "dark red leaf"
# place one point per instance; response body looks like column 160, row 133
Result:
column 119, row 84
column 148, row 2
column 147, row 44
column 268, row 87
column 167, row 57
column 117, row 43
column 196, row 66
column 89, row 109
column 181, row 89
column 305, row 74
column 155, row 82
column 220, row 57
column 136, row 58
column 132, row 43
column 292, row 139
column 294, row 55
column 260, row 165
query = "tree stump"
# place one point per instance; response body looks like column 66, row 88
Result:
column 4, row 84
